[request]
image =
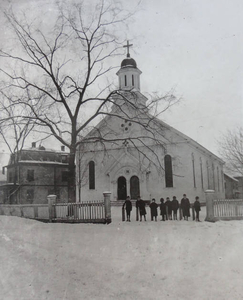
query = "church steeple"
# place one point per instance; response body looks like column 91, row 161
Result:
column 129, row 74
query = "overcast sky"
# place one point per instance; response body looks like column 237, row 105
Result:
column 194, row 46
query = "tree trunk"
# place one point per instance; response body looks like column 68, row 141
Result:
column 72, row 177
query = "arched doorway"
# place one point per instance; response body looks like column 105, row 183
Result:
column 134, row 187
column 121, row 188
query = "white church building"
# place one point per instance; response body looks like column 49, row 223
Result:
column 139, row 154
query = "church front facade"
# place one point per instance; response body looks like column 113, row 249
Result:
column 152, row 161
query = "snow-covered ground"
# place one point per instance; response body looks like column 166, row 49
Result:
column 137, row 260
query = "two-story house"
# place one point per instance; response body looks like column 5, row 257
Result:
column 34, row 173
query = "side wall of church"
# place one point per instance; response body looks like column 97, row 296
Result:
column 194, row 171
column 102, row 179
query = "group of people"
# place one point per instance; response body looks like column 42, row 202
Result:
column 168, row 209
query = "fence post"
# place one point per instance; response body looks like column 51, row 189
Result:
column 107, row 200
column 209, row 206
column 236, row 208
column 51, row 200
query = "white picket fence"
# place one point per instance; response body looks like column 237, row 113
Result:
column 84, row 212
column 228, row 209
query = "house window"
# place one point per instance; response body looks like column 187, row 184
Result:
column 168, row 171
column 64, row 159
column 30, row 175
column 64, row 176
column 30, row 196
column 10, row 177
column 91, row 175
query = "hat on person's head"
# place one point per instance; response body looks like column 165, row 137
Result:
column 153, row 199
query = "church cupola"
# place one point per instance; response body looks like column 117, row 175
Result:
column 129, row 74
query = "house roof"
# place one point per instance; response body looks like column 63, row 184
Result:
column 232, row 178
column 42, row 162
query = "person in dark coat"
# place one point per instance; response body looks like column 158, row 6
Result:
column 168, row 208
column 153, row 208
column 197, row 208
column 162, row 209
column 128, row 207
column 185, row 207
column 142, row 210
column 174, row 206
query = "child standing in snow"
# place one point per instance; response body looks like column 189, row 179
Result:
column 185, row 207
column 175, row 206
column 128, row 207
column 162, row 209
column 153, row 207
column 140, row 204
column 197, row 207
column 168, row 209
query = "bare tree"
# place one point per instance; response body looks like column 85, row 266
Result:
column 63, row 75
column 14, row 130
column 231, row 149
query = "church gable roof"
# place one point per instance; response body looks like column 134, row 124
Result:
column 187, row 139
column 115, row 119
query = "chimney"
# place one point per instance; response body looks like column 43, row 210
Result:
column 34, row 145
column 62, row 148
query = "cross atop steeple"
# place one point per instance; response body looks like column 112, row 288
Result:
column 127, row 46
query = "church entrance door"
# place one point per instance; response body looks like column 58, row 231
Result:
column 134, row 187
column 121, row 188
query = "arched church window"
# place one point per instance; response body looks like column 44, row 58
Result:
column 201, row 169
column 218, row 178
column 213, row 176
column 208, row 174
column 193, row 171
column 91, row 175
column 134, row 187
column 222, row 178
column 121, row 188
column 168, row 171
column 125, row 80
column 132, row 80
